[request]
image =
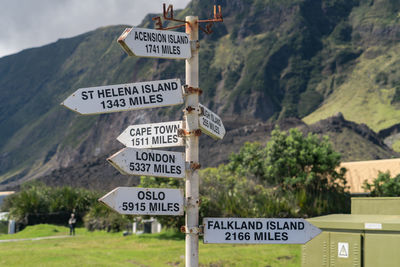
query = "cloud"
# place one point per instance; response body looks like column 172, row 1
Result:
column 27, row 23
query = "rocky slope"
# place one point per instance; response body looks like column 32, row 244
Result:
column 270, row 60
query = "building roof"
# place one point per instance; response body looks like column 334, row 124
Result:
column 6, row 193
column 359, row 171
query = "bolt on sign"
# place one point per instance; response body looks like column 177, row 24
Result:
column 145, row 201
column 133, row 161
column 258, row 231
column 123, row 97
column 164, row 134
column 155, row 43
column 210, row 123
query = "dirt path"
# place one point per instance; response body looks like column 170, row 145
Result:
column 34, row 239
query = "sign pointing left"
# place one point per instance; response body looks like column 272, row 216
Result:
column 145, row 201
column 123, row 97
column 158, row 163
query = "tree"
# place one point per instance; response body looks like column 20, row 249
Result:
column 304, row 168
column 384, row 186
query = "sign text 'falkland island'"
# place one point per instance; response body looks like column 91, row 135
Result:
column 122, row 97
column 133, row 161
column 155, row 43
column 145, row 201
column 210, row 123
column 258, row 231
column 164, row 134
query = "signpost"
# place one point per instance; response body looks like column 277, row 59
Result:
column 122, row 97
column 258, row 231
column 210, row 123
column 133, row 161
column 145, row 201
column 155, row 43
column 137, row 159
column 164, row 134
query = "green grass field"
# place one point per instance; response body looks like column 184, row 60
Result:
column 112, row 249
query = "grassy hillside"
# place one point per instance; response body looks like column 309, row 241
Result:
column 365, row 85
column 269, row 60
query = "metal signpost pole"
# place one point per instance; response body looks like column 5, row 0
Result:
column 192, row 146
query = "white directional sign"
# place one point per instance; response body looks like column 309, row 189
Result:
column 133, row 161
column 258, row 231
column 155, row 43
column 121, row 97
column 164, row 134
column 210, row 123
column 145, row 201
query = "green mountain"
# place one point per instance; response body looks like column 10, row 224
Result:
column 269, row 60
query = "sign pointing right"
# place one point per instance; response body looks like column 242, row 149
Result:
column 210, row 123
column 258, row 231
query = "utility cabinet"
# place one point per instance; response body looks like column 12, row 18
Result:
column 357, row 239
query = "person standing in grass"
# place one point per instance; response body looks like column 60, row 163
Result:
column 71, row 223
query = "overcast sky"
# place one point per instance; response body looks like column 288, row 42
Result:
column 32, row 23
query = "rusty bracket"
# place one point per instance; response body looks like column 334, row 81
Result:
column 191, row 90
column 168, row 14
column 210, row 22
column 192, row 166
column 189, row 109
column 184, row 132
column 192, row 230
column 194, row 45
column 201, row 111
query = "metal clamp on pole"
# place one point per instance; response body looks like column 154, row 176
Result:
column 189, row 109
column 192, row 166
column 194, row 45
column 185, row 133
column 191, row 90
column 192, row 230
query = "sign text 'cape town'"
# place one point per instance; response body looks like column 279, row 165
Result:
column 163, row 134
column 258, row 231
column 133, row 161
column 155, row 43
column 123, row 97
column 145, row 201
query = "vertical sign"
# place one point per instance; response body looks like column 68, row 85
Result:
column 211, row 123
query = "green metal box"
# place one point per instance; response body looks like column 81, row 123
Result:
column 362, row 239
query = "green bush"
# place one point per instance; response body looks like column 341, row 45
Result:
column 101, row 217
column 37, row 203
column 383, row 186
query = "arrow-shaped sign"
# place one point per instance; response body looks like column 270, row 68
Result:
column 145, row 201
column 133, row 161
column 210, row 123
column 163, row 134
column 155, row 43
column 122, row 97
column 258, row 231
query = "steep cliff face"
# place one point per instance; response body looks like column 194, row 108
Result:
column 268, row 61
